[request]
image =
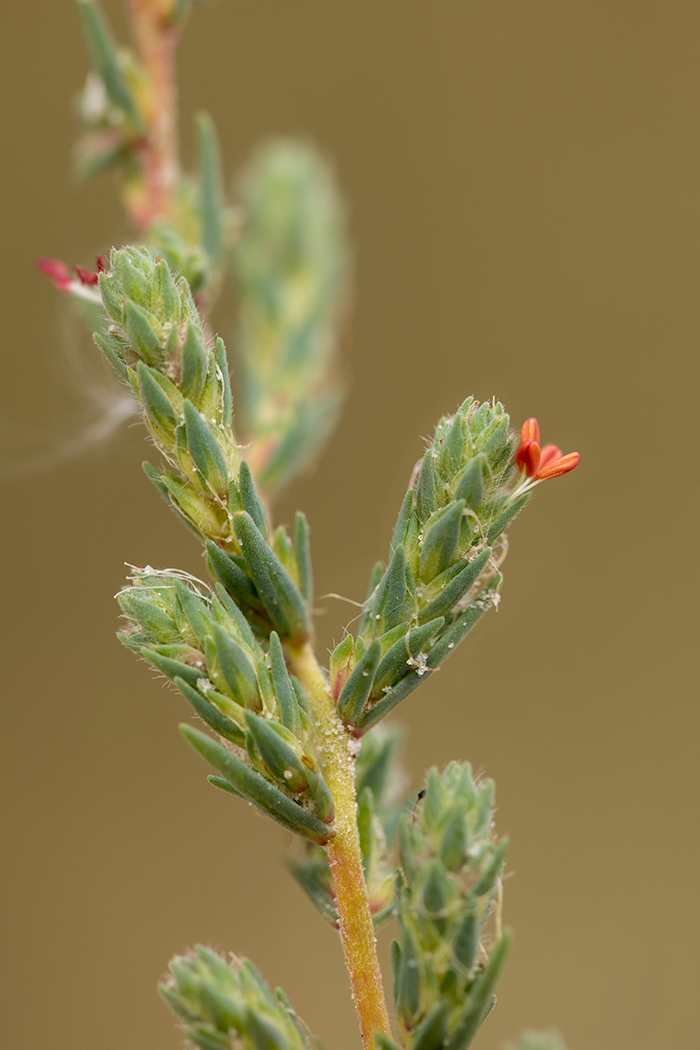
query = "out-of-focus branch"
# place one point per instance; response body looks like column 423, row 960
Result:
column 156, row 36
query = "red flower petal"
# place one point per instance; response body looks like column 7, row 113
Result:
column 56, row 271
column 548, row 455
column 102, row 263
column 559, row 466
column 530, row 430
column 86, row 276
column 528, row 457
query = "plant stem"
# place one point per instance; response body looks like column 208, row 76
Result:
column 155, row 41
column 344, row 856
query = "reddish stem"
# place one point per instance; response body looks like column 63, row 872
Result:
column 156, row 40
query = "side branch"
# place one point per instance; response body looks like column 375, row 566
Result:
column 156, row 39
column 344, row 856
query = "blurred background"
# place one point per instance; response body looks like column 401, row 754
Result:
column 522, row 186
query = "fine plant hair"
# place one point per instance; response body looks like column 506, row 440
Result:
column 306, row 744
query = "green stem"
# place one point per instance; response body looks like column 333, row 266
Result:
column 343, row 851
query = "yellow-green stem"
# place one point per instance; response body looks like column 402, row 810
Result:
column 344, row 856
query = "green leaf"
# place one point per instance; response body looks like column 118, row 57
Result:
column 211, row 715
column 194, row 365
column 237, row 670
column 279, row 756
column 383, row 1042
column 488, row 878
column 426, row 488
column 257, row 790
column 206, row 1038
column 103, row 53
column 440, row 543
column 108, row 346
column 339, row 658
column 226, row 399
column 503, row 520
column 250, row 501
column 132, row 280
column 479, row 999
column 401, row 527
column 284, row 691
column 303, row 553
column 375, row 577
column 453, row 841
column 223, row 785
column 153, row 620
column 388, row 607
column 470, row 486
column 211, row 195
column 409, row 995
column 395, row 662
column 396, row 972
column 110, row 298
column 278, row 592
column 195, row 612
column 141, row 334
column 242, row 625
column 238, row 585
column 168, row 293
column 196, row 508
column 457, row 632
column 205, row 450
column 357, row 688
column 430, row 1033
column 173, row 668
column 497, row 439
column 467, row 941
column 455, row 590
column 452, row 448
column 390, row 700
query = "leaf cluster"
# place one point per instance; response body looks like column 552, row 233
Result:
column 202, row 642
column 450, row 869
column 228, row 1006
column 442, row 575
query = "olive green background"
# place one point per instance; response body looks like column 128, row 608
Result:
column 522, row 180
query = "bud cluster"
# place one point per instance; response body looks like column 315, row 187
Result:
column 156, row 343
column 229, row 1006
column 450, row 871
column 201, row 641
column 443, row 572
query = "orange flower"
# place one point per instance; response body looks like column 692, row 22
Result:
column 541, row 464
